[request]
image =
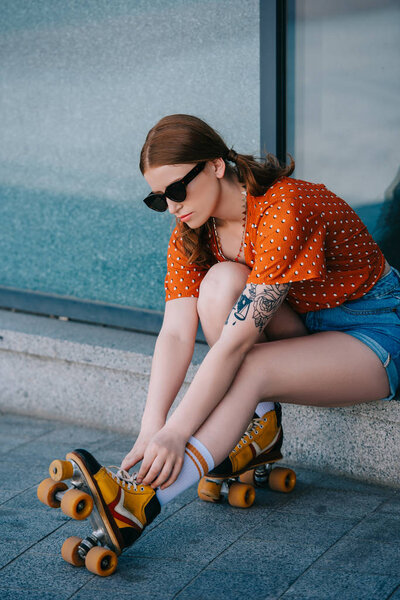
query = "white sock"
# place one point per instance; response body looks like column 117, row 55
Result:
column 264, row 407
column 197, row 462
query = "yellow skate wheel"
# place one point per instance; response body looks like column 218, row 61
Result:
column 61, row 469
column 247, row 477
column 282, row 480
column 241, row 495
column 47, row 490
column 101, row 561
column 69, row 551
column 76, row 504
column 210, row 491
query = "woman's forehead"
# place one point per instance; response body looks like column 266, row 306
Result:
column 159, row 178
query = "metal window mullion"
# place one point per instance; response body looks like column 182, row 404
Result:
column 273, row 22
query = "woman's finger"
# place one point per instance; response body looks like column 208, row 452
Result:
column 174, row 474
column 164, row 474
column 154, row 470
column 148, row 459
column 131, row 460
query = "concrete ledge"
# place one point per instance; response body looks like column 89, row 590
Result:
column 75, row 372
column 98, row 376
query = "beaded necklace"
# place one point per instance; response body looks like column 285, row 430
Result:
column 217, row 238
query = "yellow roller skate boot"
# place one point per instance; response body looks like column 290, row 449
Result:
column 124, row 506
column 262, row 438
column 251, row 463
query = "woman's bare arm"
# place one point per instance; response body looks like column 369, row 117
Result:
column 254, row 309
column 171, row 359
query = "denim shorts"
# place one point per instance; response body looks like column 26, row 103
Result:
column 373, row 319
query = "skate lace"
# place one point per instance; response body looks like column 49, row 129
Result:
column 253, row 429
column 127, row 480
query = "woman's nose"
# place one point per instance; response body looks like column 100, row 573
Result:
column 172, row 206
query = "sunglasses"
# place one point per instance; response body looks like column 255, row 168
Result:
column 175, row 191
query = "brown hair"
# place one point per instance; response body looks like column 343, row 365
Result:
column 184, row 139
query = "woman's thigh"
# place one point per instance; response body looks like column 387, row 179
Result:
column 285, row 323
column 323, row 369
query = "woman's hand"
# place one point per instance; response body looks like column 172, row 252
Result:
column 163, row 459
column 136, row 454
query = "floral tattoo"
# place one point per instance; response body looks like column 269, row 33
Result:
column 265, row 303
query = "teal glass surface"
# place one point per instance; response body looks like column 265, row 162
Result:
column 81, row 83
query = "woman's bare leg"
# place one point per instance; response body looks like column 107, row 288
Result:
column 324, row 369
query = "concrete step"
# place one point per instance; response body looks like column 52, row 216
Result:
column 98, row 376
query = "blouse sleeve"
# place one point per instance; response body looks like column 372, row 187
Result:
column 182, row 279
column 289, row 244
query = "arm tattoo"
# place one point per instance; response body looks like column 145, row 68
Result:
column 264, row 303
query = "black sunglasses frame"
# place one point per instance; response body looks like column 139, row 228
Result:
column 175, row 191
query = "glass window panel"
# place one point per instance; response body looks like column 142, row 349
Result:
column 343, row 100
column 81, row 84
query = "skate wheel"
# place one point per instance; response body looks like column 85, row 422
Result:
column 210, row 491
column 101, row 561
column 47, row 490
column 69, row 551
column 76, row 504
column 247, row 477
column 282, row 480
column 241, row 495
column 61, row 469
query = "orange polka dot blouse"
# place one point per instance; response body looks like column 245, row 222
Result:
column 299, row 233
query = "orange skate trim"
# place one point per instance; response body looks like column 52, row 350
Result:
column 199, row 457
column 99, row 502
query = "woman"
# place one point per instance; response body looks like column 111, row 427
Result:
column 263, row 259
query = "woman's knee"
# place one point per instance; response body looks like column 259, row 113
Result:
column 221, row 286
column 219, row 290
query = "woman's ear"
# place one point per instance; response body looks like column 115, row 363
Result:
column 219, row 167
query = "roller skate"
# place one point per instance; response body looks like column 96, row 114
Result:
column 250, row 464
column 117, row 507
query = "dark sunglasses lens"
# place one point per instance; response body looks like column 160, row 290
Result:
column 176, row 191
column 156, row 202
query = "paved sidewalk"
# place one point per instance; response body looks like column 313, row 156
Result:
column 330, row 538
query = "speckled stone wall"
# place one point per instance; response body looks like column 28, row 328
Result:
column 81, row 83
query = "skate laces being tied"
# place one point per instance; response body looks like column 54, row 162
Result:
column 121, row 476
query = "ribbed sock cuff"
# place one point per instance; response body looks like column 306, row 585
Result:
column 200, row 455
column 264, row 407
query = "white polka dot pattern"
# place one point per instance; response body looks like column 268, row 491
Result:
column 300, row 233
column 182, row 279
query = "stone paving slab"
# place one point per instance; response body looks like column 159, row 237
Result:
column 324, row 585
column 330, row 538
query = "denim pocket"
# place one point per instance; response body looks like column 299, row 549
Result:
column 373, row 305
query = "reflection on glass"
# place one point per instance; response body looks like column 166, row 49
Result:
column 343, row 102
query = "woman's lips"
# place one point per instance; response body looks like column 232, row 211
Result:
column 186, row 217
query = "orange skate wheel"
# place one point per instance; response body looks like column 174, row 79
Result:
column 47, row 490
column 210, row 491
column 241, row 495
column 76, row 504
column 101, row 561
column 247, row 477
column 282, row 480
column 69, row 551
column 61, row 469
